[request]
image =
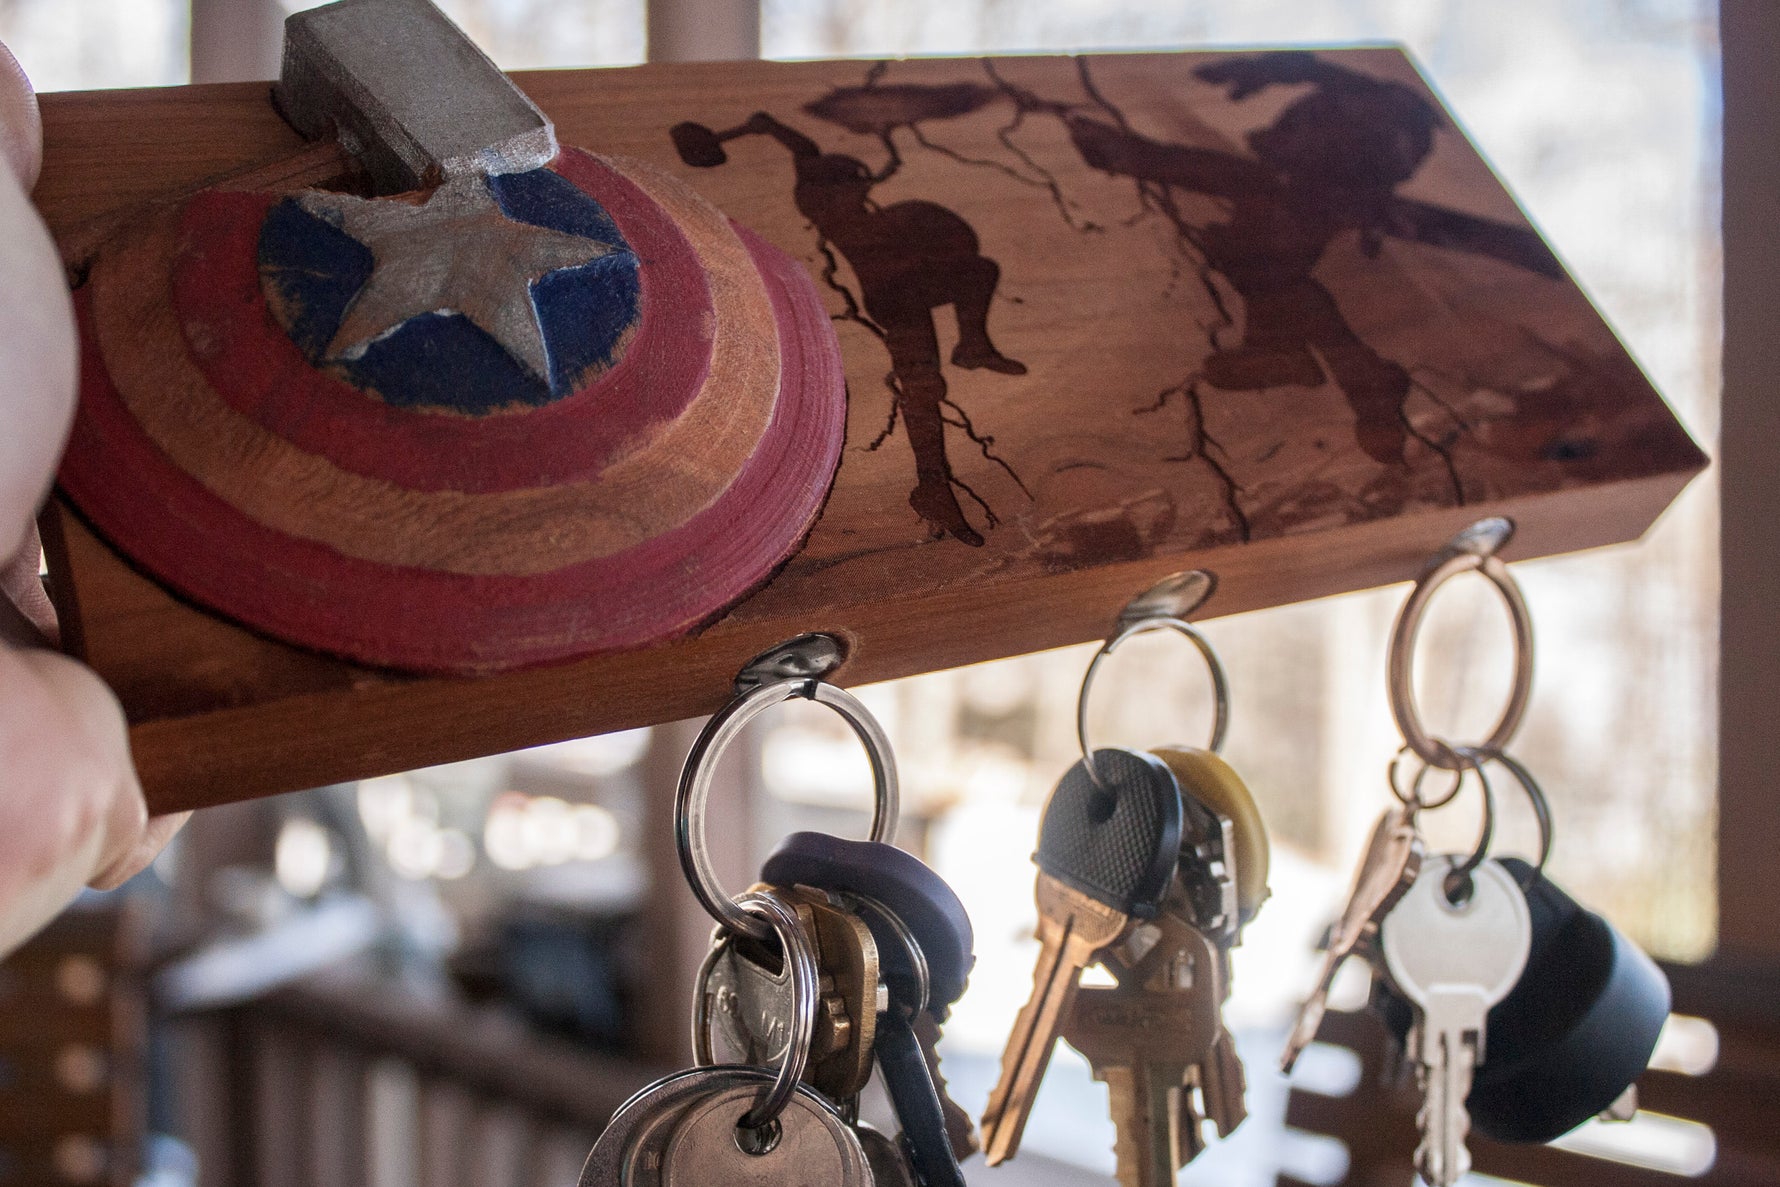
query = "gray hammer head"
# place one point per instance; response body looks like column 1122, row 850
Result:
column 409, row 94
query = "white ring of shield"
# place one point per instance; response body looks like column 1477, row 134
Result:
column 1496, row 899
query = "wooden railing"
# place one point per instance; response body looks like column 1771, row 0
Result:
column 349, row 1081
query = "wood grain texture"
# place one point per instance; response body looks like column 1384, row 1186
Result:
column 1102, row 319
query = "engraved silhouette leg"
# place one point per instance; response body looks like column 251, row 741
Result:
column 1285, row 324
column 933, row 498
column 921, row 392
column 973, row 287
column 1376, row 389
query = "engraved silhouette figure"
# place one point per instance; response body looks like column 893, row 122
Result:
column 911, row 258
column 1328, row 165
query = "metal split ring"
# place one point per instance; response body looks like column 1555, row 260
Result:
column 1413, row 798
column 1472, row 550
column 1458, row 878
column 1161, row 608
column 1535, row 797
column 800, row 965
column 701, row 766
column 1474, row 760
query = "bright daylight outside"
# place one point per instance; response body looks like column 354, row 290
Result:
column 1602, row 117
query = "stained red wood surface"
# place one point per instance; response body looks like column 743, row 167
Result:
column 1101, row 318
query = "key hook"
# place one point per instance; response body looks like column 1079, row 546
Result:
column 1473, row 549
column 800, row 961
column 753, row 699
column 1162, row 607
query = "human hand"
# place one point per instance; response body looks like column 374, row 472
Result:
column 71, row 808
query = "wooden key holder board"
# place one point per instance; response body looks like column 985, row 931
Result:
column 1101, row 318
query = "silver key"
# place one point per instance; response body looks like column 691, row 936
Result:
column 750, row 1003
column 629, row 1149
column 884, row 1155
column 1453, row 962
column 812, row 1144
column 750, row 1007
column 648, row 1143
column 1207, row 872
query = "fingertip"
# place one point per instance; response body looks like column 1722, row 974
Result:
column 21, row 121
column 156, row 833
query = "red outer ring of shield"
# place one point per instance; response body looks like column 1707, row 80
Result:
column 426, row 620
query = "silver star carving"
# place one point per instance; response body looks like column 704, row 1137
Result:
column 456, row 253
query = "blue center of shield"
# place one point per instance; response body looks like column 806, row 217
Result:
column 312, row 269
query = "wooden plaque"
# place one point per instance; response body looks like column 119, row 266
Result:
column 1102, row 318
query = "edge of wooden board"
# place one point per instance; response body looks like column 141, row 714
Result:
column 381, row 724
column 244, row 716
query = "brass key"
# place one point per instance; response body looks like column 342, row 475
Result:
column 846, row 952
column 1392, row 862
column 1107, row 851
column 1148, row 1040
column 1141, row 1044
column 1180, row 958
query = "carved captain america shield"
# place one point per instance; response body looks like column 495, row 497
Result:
column 518, row 419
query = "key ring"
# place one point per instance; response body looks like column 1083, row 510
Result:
column 800, row 962
column 1413, row 798
column 1473, row 549
column 1459, row 876
column 1536, row 797
column 918, row 971
column 701, row 766
column 1475, row 758
column 1162, row 607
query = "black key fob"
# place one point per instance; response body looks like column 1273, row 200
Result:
column 1116, row 841
column 1576, row 1031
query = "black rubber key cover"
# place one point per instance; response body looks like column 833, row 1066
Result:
column 916, row 1100
column 1118, row 843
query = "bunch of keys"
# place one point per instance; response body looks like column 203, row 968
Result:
column 1451, row 938
column 846, row 954
column 739, row 1124
column 1149, row 864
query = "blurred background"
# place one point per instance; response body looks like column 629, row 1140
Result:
column 446, row 976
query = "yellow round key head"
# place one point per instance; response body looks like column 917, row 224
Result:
column 1211, row 781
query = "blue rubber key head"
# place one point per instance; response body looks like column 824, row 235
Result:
column 902, row 883
column 1117, row 842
